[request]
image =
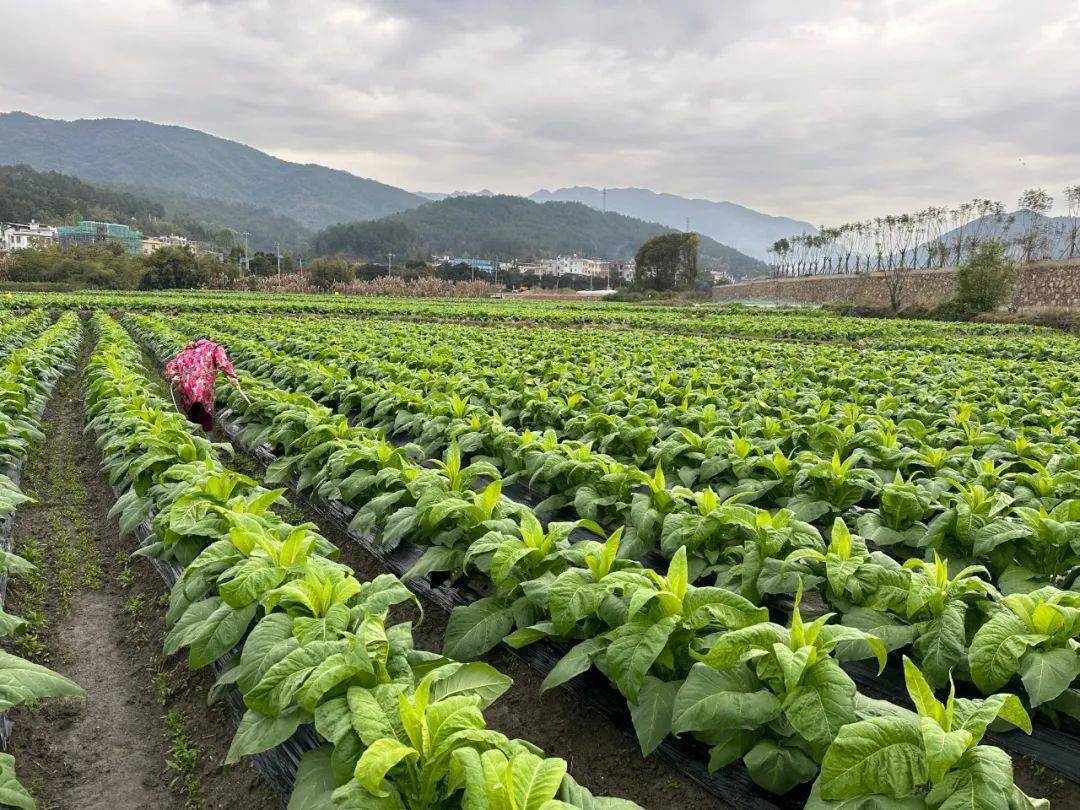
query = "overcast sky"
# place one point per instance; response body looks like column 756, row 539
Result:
column 822, row 110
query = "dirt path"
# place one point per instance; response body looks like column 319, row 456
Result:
column 143, row 737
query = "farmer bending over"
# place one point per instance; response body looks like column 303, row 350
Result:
column 193, row 371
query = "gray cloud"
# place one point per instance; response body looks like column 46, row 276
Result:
column 822, row 110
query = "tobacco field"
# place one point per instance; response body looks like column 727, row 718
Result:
column 732, row 558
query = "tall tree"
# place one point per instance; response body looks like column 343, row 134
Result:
column 667, row 262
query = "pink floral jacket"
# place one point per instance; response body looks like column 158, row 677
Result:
column 195, row 369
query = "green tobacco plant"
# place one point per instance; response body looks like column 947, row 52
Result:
column 904, row 504
column 939, row 607
column 11, row 497
column 31, row 366
column 773, row 696
column 755, row 568
column 833, row 485
column 1051, row 548
column 23, row 681
column 1033, row 636
column 976, row 527
column 522, row 566
column 695, row 458
column 12, row 793
column 817, row 429
column 932, row 759
column 637, row 626
column 853, row 574
column 1047, row 484
column 400, row 745
column 714, row 527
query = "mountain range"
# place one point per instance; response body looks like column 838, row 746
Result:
column 742, row 228
column 138, row 153
column 507, row 226
column 748, row 231
column 196, row 170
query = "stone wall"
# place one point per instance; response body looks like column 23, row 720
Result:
column 1046, row 285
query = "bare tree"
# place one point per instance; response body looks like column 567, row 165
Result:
column 1072, row 222
column 935, row 236
column 896, row 278
column 845, row 242
column 935, row 233
column 1035, row 203
column 781, row 251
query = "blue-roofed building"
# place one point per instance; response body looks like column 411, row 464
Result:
column 476, row 264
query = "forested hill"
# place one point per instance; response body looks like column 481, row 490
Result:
column 115, row 152
column 744, row 229
column 212, row 217
column 55, row 198
column 509, row 226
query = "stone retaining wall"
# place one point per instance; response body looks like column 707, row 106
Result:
column 1046, row 285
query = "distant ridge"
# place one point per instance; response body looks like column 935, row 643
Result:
column 139, row 153
column 744, row 229
column 507, row 226
column 436, row 196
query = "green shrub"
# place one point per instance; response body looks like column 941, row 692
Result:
column 984, row 281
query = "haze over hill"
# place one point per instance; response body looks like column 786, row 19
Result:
column 139, row 153
column 744, row 229
column 439, row 195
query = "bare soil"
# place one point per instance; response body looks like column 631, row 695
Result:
column 103, row 622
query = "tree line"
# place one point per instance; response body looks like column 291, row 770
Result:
column 109, row 266
column 936, row 236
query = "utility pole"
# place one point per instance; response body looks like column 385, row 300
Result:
column 247, row 262
column 688, row 224
column 389, row 264
column 277, row 250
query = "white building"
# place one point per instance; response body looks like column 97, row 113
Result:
column 579, row 266
column 150, row 244
column 625, row 269
column 17, row 236
column 534, row 268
